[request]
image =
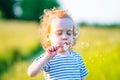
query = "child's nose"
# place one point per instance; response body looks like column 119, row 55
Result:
column 64, row 37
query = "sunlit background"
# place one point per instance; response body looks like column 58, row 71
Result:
column 91, row 11
column 98, row 41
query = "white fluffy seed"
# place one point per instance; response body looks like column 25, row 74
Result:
column 66, row 47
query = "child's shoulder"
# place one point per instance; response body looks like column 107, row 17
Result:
column 75, row 54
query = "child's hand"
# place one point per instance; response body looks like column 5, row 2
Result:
column 51, row 51
column 36, row 66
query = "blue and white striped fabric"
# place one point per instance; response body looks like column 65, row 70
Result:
column 63, row 67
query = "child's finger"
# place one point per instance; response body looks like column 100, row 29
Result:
column 54, row 48
column 58, row 46
column 49, row 49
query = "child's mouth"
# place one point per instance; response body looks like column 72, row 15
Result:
column 66, row 46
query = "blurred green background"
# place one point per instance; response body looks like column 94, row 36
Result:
column 20, row 42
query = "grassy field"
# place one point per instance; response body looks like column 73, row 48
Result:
column 17, row 40
column 21, row 35
column 17, row 36
column 99, row 47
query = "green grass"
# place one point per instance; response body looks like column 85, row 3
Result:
column 19, row 72
column 17, row 35
column 18, row 39
column 100, row 49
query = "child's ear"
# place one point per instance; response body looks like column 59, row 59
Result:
column 48, row 39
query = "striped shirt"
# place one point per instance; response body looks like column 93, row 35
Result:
column 62, row 67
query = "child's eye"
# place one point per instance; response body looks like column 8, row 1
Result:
column 59, row 33
column 69, row 33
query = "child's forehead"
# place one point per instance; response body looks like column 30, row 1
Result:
column 62, row 23
column 62, row 20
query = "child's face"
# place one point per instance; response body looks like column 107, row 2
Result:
column 61, row 32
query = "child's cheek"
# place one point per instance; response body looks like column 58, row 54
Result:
column 56, row 41
column 71, row 40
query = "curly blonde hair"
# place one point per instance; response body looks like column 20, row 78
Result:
column 45, row 26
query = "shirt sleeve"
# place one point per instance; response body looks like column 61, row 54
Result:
column 46, row 67
column 82, row 66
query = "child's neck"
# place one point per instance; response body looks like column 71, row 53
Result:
column 67, row 52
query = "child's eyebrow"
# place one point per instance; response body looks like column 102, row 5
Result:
column 69, row 30
column 63, row 30
column 59, row 30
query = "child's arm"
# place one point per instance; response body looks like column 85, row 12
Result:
column 36, row 66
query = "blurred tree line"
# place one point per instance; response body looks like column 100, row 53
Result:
column 25, row 9
column 99, row 25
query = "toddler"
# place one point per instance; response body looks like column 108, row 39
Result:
column 59, row 61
